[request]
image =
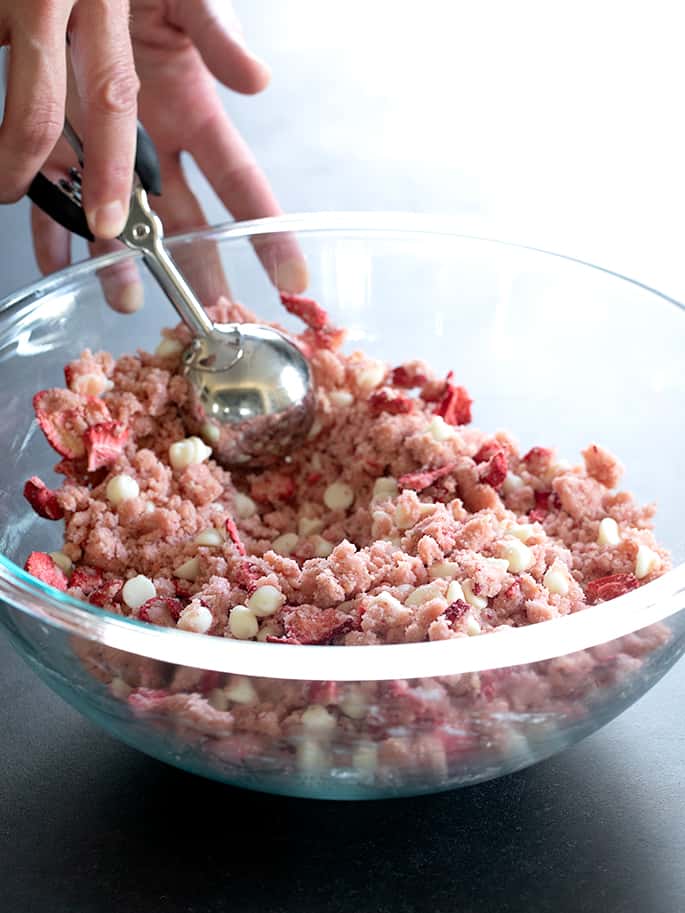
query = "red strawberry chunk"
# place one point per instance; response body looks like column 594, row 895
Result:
column 407, row 377
column 43, row 499
column 146, row 700
column 494, row 472
column 544, row 502
column 64, row 416
column 232, row 531
column 455, row 405
column 306, row 309
column 41, row 565
column 328, row 338
column 309, row 625
column 385, row 401
column 604, row 588
column 538, row 460
column 323, row 693
column 104, row 444
column 417, row 481
column 456, row 611
column 108, row 592
column 161, row 610
column 487, row 451
column 247, row 576
column 87, row 579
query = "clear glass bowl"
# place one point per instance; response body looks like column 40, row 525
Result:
column 557, row 351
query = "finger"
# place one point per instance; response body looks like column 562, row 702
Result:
column 229, row 166
column 180, row 211
column 215, row 30
column 51, row 242
column 120, row 282
column 107, row 88
column 34, row 105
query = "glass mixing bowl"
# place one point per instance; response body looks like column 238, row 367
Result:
column 555, row 350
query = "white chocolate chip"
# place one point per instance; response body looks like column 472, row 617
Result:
column 217, row 699
column 195, row 618
column 242, row 623
column 121, row 488
column 188, row 452
column 285, row 544
column 365, row 758
column 354, row 703
column 454, row 592
column 168, row 347
column 265, row 601
column 244, row 506
column 471, row 626
column 646, row 561
column 439, row 429
column 341, row 398
column 519, row 556
column 210, row 537
column 189, row 569
column 119, row 688
column 385, row 487
column 316, row 719
column 371, row 375
column 210, row 433
column 404, row 516
column 323, row 547
column 522, row 531
column 424, row 593
column 556, row 579
column 311, row 758
column 137, row 591
column 478, row 602
column 241, row 691
column 307, row 526
column 443, row 569
column 63, row 562
column 608, row 533
column 512, row 483
column 338, row 496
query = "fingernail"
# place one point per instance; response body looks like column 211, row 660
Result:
column 107, row 221
column 130, row 298
column 292, row 276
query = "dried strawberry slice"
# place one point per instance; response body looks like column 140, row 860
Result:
column 417, row 481
column 455, row 405
column 43, row 499
column 234, row 535
column 604, row 588
column 309, row 625
column 494, row 472
column 64, row 416
column 104, row 444
column 306, row 309
column 87, row 579
column 160, row 610
column 41, row 565
column 384, row 401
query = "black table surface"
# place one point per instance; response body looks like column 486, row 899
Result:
column 88, row 825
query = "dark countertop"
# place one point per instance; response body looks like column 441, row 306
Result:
column 88, row 825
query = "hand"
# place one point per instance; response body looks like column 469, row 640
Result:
column 106, row 83
column 179, row 46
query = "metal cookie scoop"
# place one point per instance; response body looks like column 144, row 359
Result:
column 252, row 393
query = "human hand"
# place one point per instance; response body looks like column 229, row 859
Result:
column 105, row 82
column 179, row 47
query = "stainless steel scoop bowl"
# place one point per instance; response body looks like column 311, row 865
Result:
column 252, row 396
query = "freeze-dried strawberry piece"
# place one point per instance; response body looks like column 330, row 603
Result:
column 41, row 565
column 181, row 588
column 456, row 611
column 309, row 625
column 417, row 481
column 408, row 377
column 455, row 405
column 328, row 338
column 544, row 502
column 487, row 451
column 160, row 610
column 234, row 535
column 604, row 588
column 209, row 680
column 323, row 693
column 494, row 472
column 43, row 499
column 110, row 591
column 104, row 444
column 272, row 639
column 306, row 309
column 147, row 699
column 247, row 576
column 393, row 403
column 64, row 416
column 538, row 460
column 87, row 579
column 313, row 478
column 272, row 486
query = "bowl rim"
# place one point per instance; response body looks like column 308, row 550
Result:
column 647, row 605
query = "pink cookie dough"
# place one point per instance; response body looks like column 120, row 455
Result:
column 397, row 521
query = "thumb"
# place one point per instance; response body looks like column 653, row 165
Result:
column 215, row 30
